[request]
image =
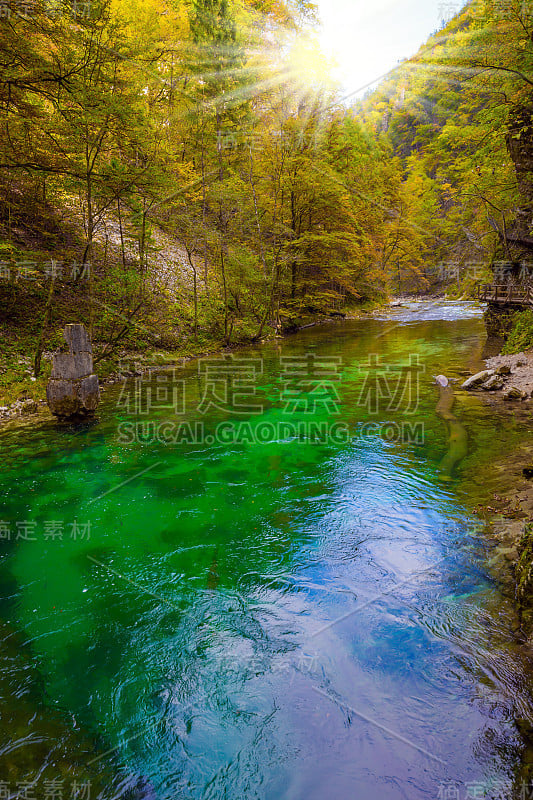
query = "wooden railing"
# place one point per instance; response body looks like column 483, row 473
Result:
column 505, row 293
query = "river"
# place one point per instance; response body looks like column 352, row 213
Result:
column 251, row 577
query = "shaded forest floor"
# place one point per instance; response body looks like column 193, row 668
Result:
column 146, row 323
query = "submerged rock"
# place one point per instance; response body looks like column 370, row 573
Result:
column 73, row 389
column 457, row 436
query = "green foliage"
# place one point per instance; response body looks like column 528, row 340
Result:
column 521, row 335
column 178, row 122
column 451, row 114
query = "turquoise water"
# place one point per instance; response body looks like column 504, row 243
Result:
column 304, row 616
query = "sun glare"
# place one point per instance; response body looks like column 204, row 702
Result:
column 308, row 64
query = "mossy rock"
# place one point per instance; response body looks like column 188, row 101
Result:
column 524, row 579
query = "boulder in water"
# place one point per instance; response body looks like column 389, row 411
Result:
column 442, row 380
column 493, row 384
column 514, row 394
column 475, row 381
column 73, row 389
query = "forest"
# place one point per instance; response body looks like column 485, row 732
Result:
column 270, row 534
column 184, row 175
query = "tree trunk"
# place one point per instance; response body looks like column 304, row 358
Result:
column 87, row 252
column 121, row 235
column 223, row 271
column 46, row 317
column 195, row 287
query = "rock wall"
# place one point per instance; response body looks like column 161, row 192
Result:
column 499, row 319
column 73, row 389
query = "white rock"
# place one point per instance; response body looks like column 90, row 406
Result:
column 476, row 380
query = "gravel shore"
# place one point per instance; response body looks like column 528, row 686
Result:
column 511, row 377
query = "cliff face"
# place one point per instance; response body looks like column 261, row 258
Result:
column 520, row 146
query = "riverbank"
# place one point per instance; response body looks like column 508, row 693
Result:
column 506, row 386
column 24, row 397
column 506, row 376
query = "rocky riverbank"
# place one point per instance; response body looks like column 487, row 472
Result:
column 516, row 371
column 510, row 376
column 28, row 408
column 21, row 408
column 507, row 385
column 31, row 403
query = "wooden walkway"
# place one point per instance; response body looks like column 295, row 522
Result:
column 505, row 294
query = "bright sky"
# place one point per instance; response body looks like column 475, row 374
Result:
column 367, row 38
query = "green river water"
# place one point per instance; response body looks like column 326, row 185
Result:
column 237, row 608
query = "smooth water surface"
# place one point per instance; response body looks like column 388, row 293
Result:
column 277, row 619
